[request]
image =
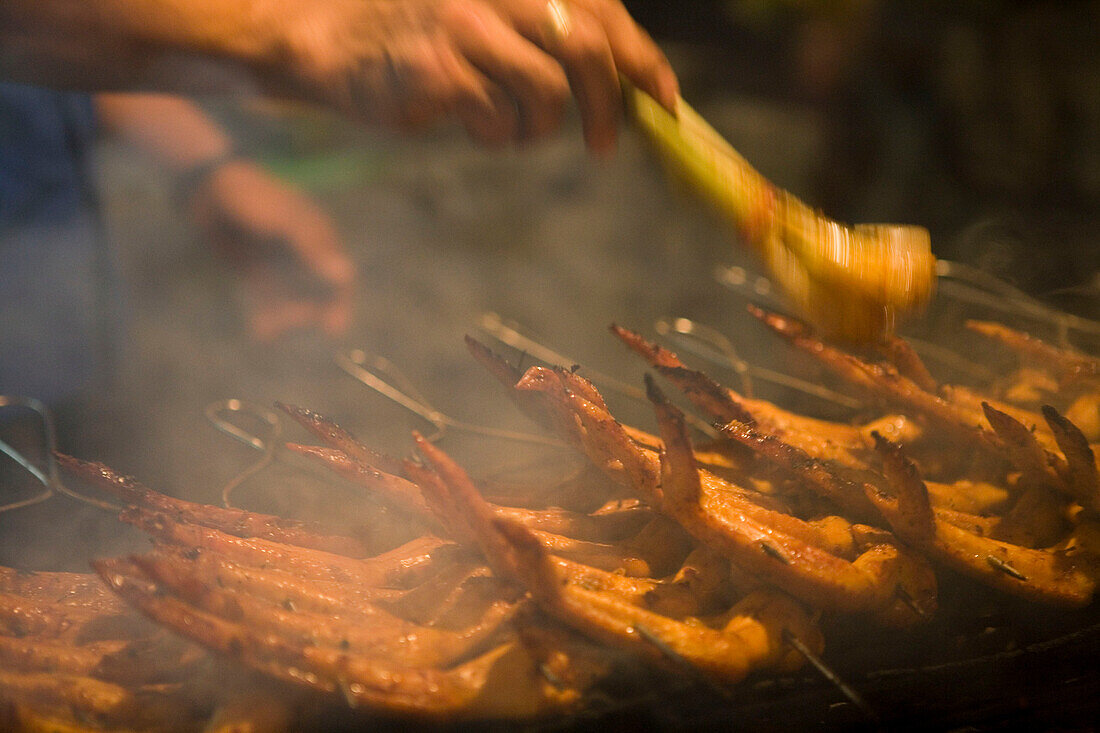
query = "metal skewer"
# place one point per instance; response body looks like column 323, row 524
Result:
column 355, row 363
column 681, row 664
column 957, row 281
column 510, row 334
column 951, row 359
column 720, row 350
column 971, row 285
column 365, row 368
column 215, row 412
column 49, row 478
column 825, row 671
column 227, row 415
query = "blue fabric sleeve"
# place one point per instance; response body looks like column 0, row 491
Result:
column 54, row 267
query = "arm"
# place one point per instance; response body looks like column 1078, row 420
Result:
column 504, row 68
column 173, row 130
column 130, row 44
column 295, row 272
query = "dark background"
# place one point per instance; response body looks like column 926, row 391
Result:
column 979, row 120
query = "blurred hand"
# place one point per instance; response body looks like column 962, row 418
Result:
column 295, row 272
column 504, row 68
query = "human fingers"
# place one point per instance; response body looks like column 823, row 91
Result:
column 314, row 242
column 534, row 80
column 297, row 273
column 324, row 254
column 335, row 316
column 261, row 209
column 637, row 56
column 576, row 40
column 426, row 79
column 269, row 313
column 274, row 306
column 496, row 126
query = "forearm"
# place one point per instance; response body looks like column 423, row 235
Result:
column 173, row 130
column 491, row 64
column 142, row 44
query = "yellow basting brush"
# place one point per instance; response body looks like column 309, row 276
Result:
column 852, row 283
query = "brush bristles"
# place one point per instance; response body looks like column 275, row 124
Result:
column 852, row 283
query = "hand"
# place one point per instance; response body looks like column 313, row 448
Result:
column 504, row 68
column 295, row 272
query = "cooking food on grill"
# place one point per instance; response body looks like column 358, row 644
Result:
column 343, row 625
column 421, row 629
column 855, row 283
column 847, row 444
column 611, row 522
column 1050, row 373
column 1064, row 574
column 233, row 521
column 751, row 637
column 592, row 551
column 72, row 657
column 415, row 559
column 476, row 687
column 1039, row 516
column 883, row 383
column 1032, row 448
column 1069, row 366
column 891, row 582
column 722, row 558
column 799, row 557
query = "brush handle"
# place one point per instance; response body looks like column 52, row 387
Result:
column 854, row 283
column 714, row 170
